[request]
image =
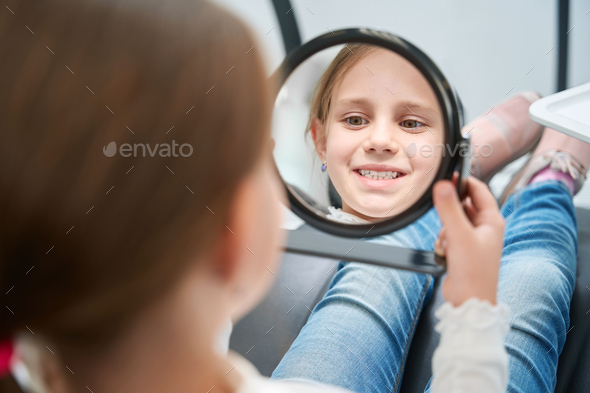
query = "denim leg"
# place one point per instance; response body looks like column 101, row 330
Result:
column 537, row 277
column 358, row 335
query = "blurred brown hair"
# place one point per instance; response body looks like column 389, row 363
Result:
column 87, row 240
column 321, row 101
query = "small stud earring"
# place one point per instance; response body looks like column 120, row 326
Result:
column 324, row 167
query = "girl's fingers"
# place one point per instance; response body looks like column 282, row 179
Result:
column 469, row 209
column 455, row 178
column 449, row 208
column 481, row 196
column 440, row 242
column 438, row 248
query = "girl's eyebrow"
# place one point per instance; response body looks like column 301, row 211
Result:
column 410, row 104
column 417, row 105
column 356, row 101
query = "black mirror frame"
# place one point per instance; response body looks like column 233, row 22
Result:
column 446, row 95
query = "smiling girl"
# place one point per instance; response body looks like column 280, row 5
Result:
column 370, row 105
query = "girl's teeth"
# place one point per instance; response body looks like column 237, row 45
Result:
column 385, row 175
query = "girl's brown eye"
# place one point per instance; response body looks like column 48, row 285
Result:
column 355, row 121
column 410, row 123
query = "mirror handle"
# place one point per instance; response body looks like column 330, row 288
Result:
column 315, row 243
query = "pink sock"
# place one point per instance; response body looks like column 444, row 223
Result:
column 548, row 174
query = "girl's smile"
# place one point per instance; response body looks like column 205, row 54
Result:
column 379, row 176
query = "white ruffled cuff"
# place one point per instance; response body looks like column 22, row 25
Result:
column 471, row 356
column 473, row 313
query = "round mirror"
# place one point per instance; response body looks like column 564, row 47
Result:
column 364, row 123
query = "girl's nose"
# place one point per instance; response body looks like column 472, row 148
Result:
column 382, row 139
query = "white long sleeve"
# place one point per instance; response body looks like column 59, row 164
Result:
column 471, row 356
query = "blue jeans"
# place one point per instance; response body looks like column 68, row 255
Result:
column 359, row 334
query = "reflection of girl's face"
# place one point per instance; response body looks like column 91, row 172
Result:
column 382, row 106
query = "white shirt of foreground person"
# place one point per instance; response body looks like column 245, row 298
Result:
column 470, row 356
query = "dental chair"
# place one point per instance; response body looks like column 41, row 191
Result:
column 265, row 335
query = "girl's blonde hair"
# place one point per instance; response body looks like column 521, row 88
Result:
column 347, row 58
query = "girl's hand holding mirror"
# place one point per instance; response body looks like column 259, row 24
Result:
column 471, row 238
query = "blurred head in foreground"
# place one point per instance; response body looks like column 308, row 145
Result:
column 138, row 207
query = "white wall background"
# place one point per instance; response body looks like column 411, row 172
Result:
column 487, row 49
